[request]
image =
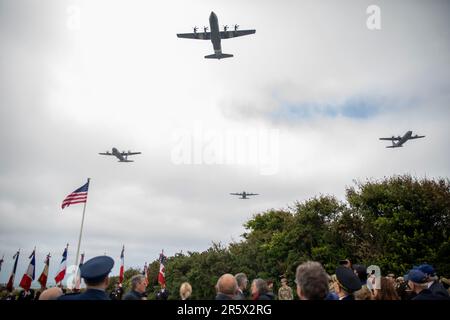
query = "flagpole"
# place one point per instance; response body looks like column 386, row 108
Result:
column 81, row 229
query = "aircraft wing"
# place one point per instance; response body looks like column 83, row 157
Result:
column 235, row 33
column 130, row 153
column 252, row 194
column 106, row 154
column 236, row 194
column 197, row 35
column 391, row 138
column 417, row 137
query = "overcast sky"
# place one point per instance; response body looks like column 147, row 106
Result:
column 297, row 112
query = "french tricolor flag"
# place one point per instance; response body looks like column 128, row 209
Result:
column 62, row 267
column 122, row 266
column 28, row 277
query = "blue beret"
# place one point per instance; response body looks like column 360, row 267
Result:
column 427, row 269
column 348, row 279
column 415, row 275
column 97, row 268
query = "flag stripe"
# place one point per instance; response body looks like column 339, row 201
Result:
column 78, row 196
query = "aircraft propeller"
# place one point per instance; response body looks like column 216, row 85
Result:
column 225, row 28
column 195, row 29
column 236, row 26
column 205, row 29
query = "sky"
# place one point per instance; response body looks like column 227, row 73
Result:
column 296, row 113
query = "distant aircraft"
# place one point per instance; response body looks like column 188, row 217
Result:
column 401, row 140
column 244, row 195
column 122, row 156
column 215, row 36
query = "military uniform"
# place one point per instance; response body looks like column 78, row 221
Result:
column 285, row 293
column 93, row 271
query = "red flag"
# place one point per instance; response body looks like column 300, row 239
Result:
column 62, row 267
column 28, row 277
column 10, row 285
column 162, row 270
column 44, row 275
column 122, row 262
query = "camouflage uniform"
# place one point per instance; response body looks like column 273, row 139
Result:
column 285, row 293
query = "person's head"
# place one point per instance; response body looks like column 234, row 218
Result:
column 259, row 287
column 51, row 294
column 346, row 263
column 95, row 272
column 284, row 282
column 227, row 285
column 242, row 281
column 387, row 291
column 429, row 271
column 346, row 281
column 361, row 272
column 185, row 290
column 312, row 281
column 417, row 280
column 138, row 283
column 269, row 284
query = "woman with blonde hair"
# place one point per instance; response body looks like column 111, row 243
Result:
column 185, row 290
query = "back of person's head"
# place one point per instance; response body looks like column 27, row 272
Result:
column 185, row 290
column 387, row 291
column 227, row 284
column 312, row 281
column 361, row 272
column 260, row 285
column 242, row 280
column 51, row 294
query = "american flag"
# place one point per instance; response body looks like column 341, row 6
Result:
column 78, row 196
column 122, row 266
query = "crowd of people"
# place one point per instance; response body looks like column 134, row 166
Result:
column 312, row 282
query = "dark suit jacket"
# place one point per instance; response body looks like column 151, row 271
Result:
column 221, row 296
column 426, row 294
column 133, row 295
column 89, row 294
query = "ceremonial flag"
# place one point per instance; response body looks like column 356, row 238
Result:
column 162, row 270
column 122, row 263
column 145, row 273
column 28, row 277
column 44, row 275
column 10, row 285
column 62, row 267
column 1, row 262
column 78, row 280
column 78, row 196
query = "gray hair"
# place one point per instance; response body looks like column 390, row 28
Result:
column 137, row 279
column 312, row 280
column 241, row 278
column 261, row 285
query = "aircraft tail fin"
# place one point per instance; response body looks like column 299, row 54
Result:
column 218, row 56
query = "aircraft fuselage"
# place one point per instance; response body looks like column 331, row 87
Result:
column 215, row 33
column 405, row 138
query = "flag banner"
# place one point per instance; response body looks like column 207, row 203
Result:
column 78, row 279
column 78, row 196
column 62, row 267
column 162, row 270
column 44, row 275
column 28, row 277
column 1, row 262
column 145, row 273
column 10, row 285
column 122, row 266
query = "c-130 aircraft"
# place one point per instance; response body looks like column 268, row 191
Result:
column 215, row 36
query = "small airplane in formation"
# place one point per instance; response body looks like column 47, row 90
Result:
column 244, row 195
column 401, row 140
column 215, row 36
column 122, row 156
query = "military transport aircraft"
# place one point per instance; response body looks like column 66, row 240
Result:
column 215, row 36
column 401, row 140
column 122, row 156
column 244, row 195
